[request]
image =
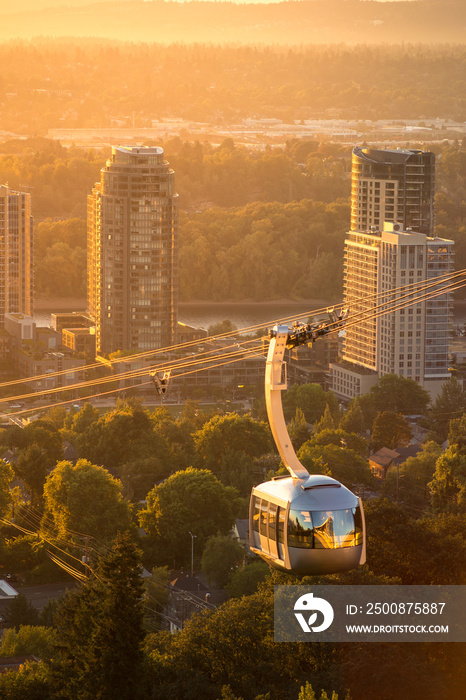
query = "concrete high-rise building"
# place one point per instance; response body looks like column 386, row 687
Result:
column 383, row 252
column 16, row 245
column 132, row 252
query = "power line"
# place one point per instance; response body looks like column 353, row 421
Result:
column 415, row 293
column 154, row 352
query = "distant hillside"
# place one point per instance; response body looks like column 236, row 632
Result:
column 313, row 21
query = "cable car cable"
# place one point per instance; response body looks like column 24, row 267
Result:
column 384, row 310
column 227, row 334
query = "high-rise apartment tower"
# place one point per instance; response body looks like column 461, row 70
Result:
column 395, row 185
column 391, row 245
column 16, row 244
column 132, row 252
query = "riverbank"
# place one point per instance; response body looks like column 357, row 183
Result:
column 73, row 303
column 242, row 314
column 203, row 314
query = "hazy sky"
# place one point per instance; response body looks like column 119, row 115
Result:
column 9, row 7
column 268, row 2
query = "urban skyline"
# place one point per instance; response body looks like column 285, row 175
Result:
column 92, row 447
column 391, row 245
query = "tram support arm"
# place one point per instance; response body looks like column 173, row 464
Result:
column 275, row 383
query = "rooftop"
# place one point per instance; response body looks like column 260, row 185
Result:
column 140, row 150
column 374, row 155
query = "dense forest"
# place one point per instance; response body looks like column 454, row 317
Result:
column 48, row 84
column 273, row 23
column 246, row 215
column 193, row 472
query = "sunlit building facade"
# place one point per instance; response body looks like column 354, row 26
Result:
column 132, row 252
column 16, row 246
column 383, row 254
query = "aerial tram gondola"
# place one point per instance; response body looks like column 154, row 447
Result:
column 302, row 523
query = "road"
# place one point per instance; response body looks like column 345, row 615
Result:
column 39, row 596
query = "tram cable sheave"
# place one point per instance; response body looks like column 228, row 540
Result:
column 303, row 523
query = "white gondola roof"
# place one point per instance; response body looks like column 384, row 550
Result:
column 318, row 492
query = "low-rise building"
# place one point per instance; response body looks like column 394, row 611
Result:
column 79, row 340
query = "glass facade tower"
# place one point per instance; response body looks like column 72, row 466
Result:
column 132, row 252
column 392, row 185
column 16, row 246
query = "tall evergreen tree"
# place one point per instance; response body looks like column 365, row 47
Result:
column 20, row 612
column 326, row 422
column 353, row 420
column 100, row 632
column 298, row 429
column 449, row 404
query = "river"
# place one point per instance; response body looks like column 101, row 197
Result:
column 242, row 314
column 205, row 314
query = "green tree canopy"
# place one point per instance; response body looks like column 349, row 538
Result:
column 20, row 612
column 239, row 470
column 6, row 477
column 427, row 551
column 449, row 404
column 225, row 326
column 327, row 422
column 414, row 475
column 198, row 661
column 448, row 486
column 457, row 432
column 100, row 631
column 311, row 399
column 400, row 394
column 307, row 693
column 341, row 463
column 46, row 435
column 193, row 500
column 230, row 432
column 340, row 438
column 121, row 436
column 353, row 419
column 298, row 429
column 84, row 418
column 28, row 639
column 245, row 581
column 23, row 552
column 84, row 498
column 31, row 681
column 220, row 558
column 57, row 416
column 139, row 476
column 32, row 466
column 177, row 433
column 391, row 430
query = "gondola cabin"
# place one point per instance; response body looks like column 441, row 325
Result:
column 302, row 523
column 312, row 526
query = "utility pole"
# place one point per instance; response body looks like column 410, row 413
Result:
column 192, row 552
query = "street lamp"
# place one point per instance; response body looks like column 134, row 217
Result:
column 192, row 552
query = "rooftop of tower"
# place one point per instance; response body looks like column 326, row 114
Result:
column 375, row 155
column 139, row 150
column 135, row 156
